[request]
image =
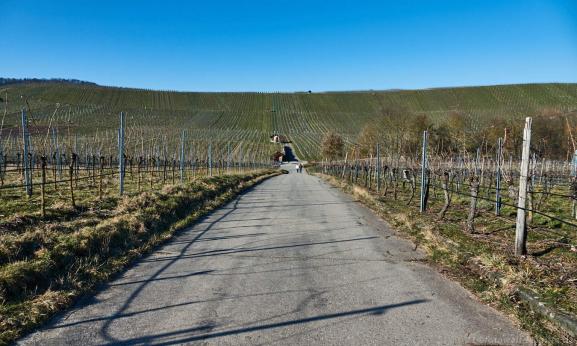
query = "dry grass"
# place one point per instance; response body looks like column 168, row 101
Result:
column 44, row 268
column 484, row 262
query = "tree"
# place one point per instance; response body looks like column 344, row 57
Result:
column 416, row 124
column 367, row 140
column 332, row 146
column 550, row 135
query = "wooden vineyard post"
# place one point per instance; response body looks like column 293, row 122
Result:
column 58, row 156
column 173, row 169
column 71, row 171
column 240, row 160
column 25, row 156
column 100, row 176
column 164, row 170
column 573, row 184
column 445, row 185
column 228, row 158
column 573, row 189
column 478, row 163
column 2, row 166
column 131, row 163
column 182, row 137
column 521, row 227
column 474, row 188
column 54, row 171
column 30, row 164
column 423, row 203
column 93, row 162
column 370, row 172
column 151, row 168
column 43, row 186
column 77, row 166
column 378, row 168
column 121, row 162
column 498, row 178
column 356, row 171
column 344, row 165
column 210, row 159
column 18, row 168
column 138, row 169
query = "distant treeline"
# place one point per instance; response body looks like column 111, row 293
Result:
column 4, row 81
column 400, row 131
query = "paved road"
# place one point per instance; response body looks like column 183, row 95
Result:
column 291, row 262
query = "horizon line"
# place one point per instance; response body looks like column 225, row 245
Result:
column 57, row 80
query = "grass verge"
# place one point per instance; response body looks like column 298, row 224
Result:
column 65, row 265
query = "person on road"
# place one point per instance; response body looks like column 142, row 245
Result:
column 297, row 166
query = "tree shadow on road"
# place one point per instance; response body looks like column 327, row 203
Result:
column 230, row 251
column 183, row 335
column 104, row 331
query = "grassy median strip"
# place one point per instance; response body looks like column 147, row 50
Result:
column 483, row 262
column 66, row 259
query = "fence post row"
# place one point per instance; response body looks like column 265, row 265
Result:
column 521, row 227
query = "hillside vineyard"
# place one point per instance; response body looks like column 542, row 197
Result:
column 475, row 113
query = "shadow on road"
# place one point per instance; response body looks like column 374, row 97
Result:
column 302, row 205
column 162, row 278
column 242, row 236
column 219, row 252
column 157, row 338
column 104, row 331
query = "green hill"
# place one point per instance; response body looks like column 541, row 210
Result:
column 252, row 117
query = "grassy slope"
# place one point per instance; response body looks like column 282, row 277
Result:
column 251, row 117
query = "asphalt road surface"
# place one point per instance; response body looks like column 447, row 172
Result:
column 290, row 262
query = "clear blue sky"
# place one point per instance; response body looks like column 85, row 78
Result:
column 282, row 45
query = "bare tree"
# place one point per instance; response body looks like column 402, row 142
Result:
column 332, row 146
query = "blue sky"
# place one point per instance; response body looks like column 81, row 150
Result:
column 280, row 45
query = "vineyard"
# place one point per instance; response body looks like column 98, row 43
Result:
column 90, row 113
column 508, row 221
column 75, row 208
column 81, row 197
